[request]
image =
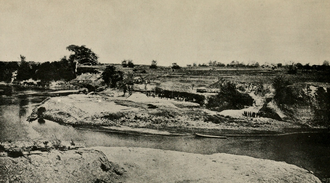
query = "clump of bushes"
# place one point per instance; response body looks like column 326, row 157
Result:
column 229, row 98
column 286, row 94
column 322, row 107
column 283, row 93
column 190, row 97
column 111, row 76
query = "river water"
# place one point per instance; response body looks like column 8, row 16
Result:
column 310, row 151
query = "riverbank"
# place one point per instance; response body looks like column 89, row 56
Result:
column 110, row 110
column 55, row 161
column 152, row 165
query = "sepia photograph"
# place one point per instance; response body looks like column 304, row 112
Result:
column 164, row 91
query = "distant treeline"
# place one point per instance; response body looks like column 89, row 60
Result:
column 231, row 64
column 296, row 66
column 45, row 72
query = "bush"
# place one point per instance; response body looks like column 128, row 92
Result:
column 322, row 107
column 111, row 76
column 284, row 94
column 292, row 70
column 229, row 98
column 130, row 64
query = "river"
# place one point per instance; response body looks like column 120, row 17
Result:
column 310, row 151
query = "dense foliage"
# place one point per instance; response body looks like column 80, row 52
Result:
column 229, row 98
column 127, row 63
column 45, row 72
column 111, row 76
column 6, row 70
column 190, row 97
column 322, row 106
column 284, row 93
column 58, row 70
column 82, row 55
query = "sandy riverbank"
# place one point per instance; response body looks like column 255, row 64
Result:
column 56, row 162
column 152, row 165
column 140, row 111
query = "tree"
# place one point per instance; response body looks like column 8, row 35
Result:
column 175, row 66
column 82, row 55
column 22, row 58
column 153, row 64
column 292, row 69
column 130, row 63
column 256, row 64
column 46, row 72
column 24, row 70
column 229, row 98
column 6, row 71
column 111, row 76
column 66, row 69
column 307, row 67
column 325, row 63
column 322, row 107
column 124, row 63
column 299, row 65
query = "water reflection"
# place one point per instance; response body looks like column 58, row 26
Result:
column 23, row 103
column 8, row 90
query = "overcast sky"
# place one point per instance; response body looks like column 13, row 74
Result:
column 182, row 31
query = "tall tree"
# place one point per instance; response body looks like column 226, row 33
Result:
column 82, row 55
column 130, row 63
column 153, row 64
column 24, row 70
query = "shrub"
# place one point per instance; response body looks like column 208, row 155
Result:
column 292, row 70
column 229, row 98
column 130, row 63
column 111, row 76
column 284, row 93
column 322, row 107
